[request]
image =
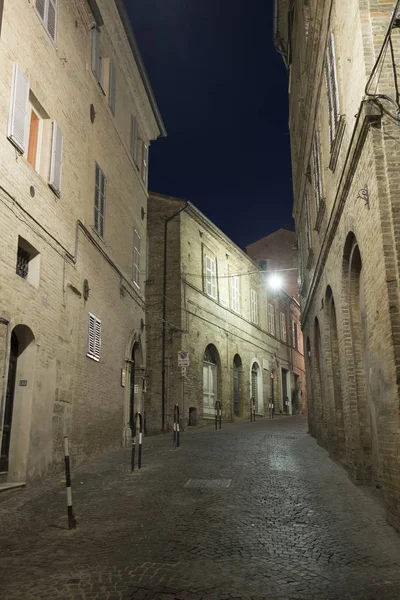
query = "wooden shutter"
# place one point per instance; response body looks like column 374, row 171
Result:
column 136, row 257
column 134, row 139
column 94, row 337
column 19, row 109
column 51, row 18
column 56, row 159
column 99, row 200
column 40, row 6
column 112, row 87
column 145, row 162
column 96, row 53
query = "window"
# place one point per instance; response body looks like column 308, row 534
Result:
column 134, row 139
column 94, row 338
column 28, row 262
column 283, row 326
column 254, row 307
column 235, row 293
column 99, row 201
column 211, row 277
column 332, row 88
column 317, row 175
column 295, row 335
column 271, row 319
column 209, row 381
column 145, row 162
column 32, row 131
column 47, row 11
column 97, row 59
column 308, row 220
column 136, row 258
column 112, row 87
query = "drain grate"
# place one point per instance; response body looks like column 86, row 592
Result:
column 208, row 483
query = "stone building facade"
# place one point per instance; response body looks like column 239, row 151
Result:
column 343, row 57
column 77, row 116
column 277, row 253
column 243, row 340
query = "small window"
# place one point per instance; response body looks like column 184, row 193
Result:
column 271, row 319
column 145, row 162
column 112, row 87
column 94, row 338
column 134, row 139
column 254, row 307
column 28, row 262
column 283, row 326
column 97, row 59
column 99, row 201
column 47, row 11
column 211, row 277
column 332, row 88
column 295, row 335
column 235, row 293
column 136, row 258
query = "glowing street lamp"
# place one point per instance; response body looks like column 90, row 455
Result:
column 275, row 281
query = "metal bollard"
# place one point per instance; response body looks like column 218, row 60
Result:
column 252, row 410
column 218, row 414
column 71, row 518
column 176, row 442
column 271, row 410
column 138, row 414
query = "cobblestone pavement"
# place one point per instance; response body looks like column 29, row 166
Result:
column 266, row 514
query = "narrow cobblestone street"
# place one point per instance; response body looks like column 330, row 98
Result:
column 275, row 518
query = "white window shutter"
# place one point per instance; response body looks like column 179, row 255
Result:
column 91, row 335
column 112, row 87
column 56, row 159
column 145, row 162
column 97, row 347
column 51, row 18
column 40, row 6
column 96, row 53
column 18, row 109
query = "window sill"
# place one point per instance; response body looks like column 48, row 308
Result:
column 97, row 234
column 92, row 357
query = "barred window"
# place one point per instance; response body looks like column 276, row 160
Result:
column 317, row 174
column 332, row 88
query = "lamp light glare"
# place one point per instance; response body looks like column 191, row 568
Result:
column 275, row 281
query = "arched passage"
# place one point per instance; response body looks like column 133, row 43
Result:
column 237, row 386
column 16, row 417
column 211, row 379
column 354, row 297
column 318, row 384
column 339, row 439
column 257, row 386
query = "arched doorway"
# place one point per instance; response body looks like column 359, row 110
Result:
column 136, row 383
column 16, row 417
column 210, row 379
column 256, row 387
column 237, row 376
column 9, row 404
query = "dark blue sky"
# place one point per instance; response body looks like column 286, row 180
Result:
column 222, row 93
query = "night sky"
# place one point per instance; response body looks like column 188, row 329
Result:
column 222, row 93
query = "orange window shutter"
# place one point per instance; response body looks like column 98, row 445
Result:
column 33, row 139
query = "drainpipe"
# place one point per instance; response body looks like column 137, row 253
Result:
column 164, row 313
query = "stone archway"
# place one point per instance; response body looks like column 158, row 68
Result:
column 17, row 410
column 135, row 382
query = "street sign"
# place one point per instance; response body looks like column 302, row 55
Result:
column 183, row 359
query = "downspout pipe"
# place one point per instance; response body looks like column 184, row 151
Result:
column 164, row 313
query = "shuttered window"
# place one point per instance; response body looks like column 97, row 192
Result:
column 112, row 87
column 295, row 335
column 235, row 293
column 145, row 162
column 317, row 174
column 332, row 88
column 99, row 201
column 271, row 319
column 254, row 307
column 47, row 11
column 136, row 258
column 211, row 277
column 56, row 159
column 283, row 326
column 94, row 338
column 97, row 62
column 134, row 139
column 17, row 126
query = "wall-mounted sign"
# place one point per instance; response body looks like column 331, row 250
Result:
column 183, row 359
column 23, row 382
column 136, row 389
column 123, row 377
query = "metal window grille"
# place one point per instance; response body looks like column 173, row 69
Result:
column 23, row 259
column 317, row 175
column 99, row 201
column 332, row 88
